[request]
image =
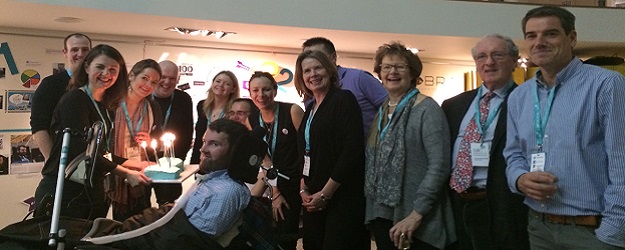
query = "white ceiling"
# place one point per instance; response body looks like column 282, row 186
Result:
column 28, row 18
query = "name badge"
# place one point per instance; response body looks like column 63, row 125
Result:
column 133, row 153
column 306, row 171
column 538, row 162
column 480, row 154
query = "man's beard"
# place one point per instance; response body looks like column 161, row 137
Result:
column 208, row 165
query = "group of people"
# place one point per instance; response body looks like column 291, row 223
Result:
column 536, row 166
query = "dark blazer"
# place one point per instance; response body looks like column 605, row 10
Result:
column 508, row 214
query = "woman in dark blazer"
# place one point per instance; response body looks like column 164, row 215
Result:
column 332, row 158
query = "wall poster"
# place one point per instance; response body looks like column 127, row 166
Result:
column 18, row 101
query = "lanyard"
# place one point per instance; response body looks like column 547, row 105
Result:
column 97, row 108
column 129, row 122
column 274, row 132
column 398, row 109
column 540, row 122
column 491, row 114
column 210, row 113
column 171, row 103
column 307, row 129
column 69, row 73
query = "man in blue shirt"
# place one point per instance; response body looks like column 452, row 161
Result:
column 368, row 90
column 213, row 206
column 566, row 141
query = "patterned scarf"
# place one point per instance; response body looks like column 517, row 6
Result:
column 386, row 158
column 120, row 194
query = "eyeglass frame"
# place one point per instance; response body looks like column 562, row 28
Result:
column 497, row 56
column 400, row 67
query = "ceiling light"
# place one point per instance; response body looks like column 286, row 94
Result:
column 195, row 32
column 414, row 50
column 68, row 19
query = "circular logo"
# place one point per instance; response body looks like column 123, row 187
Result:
column 30, row 78
column 253, row 160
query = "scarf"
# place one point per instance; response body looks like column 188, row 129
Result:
column 119, row 193
column 386, row 158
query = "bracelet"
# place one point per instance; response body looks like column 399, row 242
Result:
column 276, row 197
column 303, row 190
column 325, row 198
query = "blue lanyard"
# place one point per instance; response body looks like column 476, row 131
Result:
column 274, row 132
column 210, row 113
column 69, row 73
column 129, row 122
column 540, row 123
column 171, row 103
column 307, row 129
column 97, row 108
column 398, row 109
column 491, row 114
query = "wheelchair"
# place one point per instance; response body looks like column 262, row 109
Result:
column 255, row 229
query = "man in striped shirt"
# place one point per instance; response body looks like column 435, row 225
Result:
column 566, row 141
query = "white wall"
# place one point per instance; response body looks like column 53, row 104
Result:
column 44, row 49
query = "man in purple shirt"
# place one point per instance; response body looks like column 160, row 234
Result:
column 368, row 90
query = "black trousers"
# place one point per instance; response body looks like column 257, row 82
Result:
column 472, row 223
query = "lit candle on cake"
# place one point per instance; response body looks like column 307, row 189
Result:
column 168, row 142
column 173, row 152
column 167, row 145
column 144, row 144
column 153, row 145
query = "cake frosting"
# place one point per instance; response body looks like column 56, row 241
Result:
column 162, row 171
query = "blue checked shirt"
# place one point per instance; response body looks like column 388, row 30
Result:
column 584, row 144
column 217, row 203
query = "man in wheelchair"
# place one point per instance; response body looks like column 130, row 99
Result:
column 217, row 212
column 210, row 209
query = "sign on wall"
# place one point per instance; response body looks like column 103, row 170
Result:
column 18, row 101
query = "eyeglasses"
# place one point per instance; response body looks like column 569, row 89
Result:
column 496, row 56
column 238, row 113
column 399, row 67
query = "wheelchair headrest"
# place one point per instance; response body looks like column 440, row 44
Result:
column 247, row 155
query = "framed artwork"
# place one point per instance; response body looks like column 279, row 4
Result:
column 1, row 102
column 18, row 101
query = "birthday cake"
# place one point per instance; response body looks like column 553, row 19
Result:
column 163, row 171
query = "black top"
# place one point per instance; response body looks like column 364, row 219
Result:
column 45, row 99
column 200, row 129
column 337, row 147
column 286, row 157
column 180, row 121
column 76, row 111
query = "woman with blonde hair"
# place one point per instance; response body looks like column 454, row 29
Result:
column 223, row 91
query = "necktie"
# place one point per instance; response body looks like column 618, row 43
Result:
column 463, row 174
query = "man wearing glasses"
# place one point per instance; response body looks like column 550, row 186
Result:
column 241, row 109
column 487, row 214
